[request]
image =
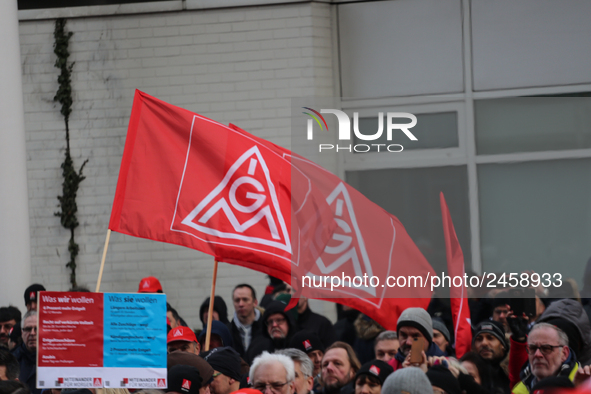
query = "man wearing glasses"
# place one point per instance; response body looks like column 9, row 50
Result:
column 278, row 330
column 273, row 374
column 548, row 356
column 27, row 351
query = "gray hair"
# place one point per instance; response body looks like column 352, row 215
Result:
column 268, row 358
column 30, row 313
column 306, row 365
column 386, row 336
column 562, row 337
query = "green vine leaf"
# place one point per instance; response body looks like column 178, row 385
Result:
column 72, row 178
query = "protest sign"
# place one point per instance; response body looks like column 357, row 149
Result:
column 101, row 340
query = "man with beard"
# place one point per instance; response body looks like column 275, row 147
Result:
column 27, row 351
column 9, row 317
column 490, row 344
column 339, row 366
column 414, row 323
column 279, row 328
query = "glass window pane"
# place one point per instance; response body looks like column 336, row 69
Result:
column 530, row 124
column 438, row 130
column 536, row 215
column 412, row 195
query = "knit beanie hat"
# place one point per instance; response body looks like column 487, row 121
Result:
column 417, row 318
column 495, row 329
column 225, row 360
column 440, row 326
column 442, row 377
column 410, row 380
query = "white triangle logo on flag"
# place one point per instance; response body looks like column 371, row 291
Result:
column 344, row 249
column 261, row 209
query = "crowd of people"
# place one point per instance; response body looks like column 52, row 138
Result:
column 262, row 348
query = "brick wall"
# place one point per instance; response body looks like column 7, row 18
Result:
column 238, row 65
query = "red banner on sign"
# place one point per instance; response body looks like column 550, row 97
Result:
column 70, row 329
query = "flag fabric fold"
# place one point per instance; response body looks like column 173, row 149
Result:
column 458, row 295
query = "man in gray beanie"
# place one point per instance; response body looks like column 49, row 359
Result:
column 414, row 323
column 442, row 338
column 409, row 380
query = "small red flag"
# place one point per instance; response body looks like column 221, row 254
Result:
column 458, row 295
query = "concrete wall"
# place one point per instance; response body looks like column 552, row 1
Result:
column 239, row 65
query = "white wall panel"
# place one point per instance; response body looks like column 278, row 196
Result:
column 400, row 48
column 530, row 43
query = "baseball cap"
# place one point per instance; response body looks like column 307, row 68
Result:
column 378, row 368
column 181, row 333
column 306, row 341
column 150, row 284
column 184, row 379
column 186, row 358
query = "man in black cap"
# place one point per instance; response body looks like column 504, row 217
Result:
column 193, row 360
column 225, row 362
column 31, row 296
column 490, row 344
column 309, row 343
column 371, row 377
column 184, row 379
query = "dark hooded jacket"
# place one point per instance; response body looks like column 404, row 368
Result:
column 573, row 312
column 219, row 305
column 264, row 341
column 28, row 369
column 219, row 328
column 312, row 321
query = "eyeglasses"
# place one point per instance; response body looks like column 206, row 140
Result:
column 275, row 321
column 275, row 387
column 6, row 326
column 545, row 349
column 29, row 329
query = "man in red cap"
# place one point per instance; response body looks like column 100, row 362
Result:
column 150, row 284
column 182, row 339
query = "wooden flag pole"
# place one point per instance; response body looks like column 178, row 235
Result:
column 100, row 277
column 211, row 299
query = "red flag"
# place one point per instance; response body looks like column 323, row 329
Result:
column 190, row 181
column 367, row 242
column 458, row 295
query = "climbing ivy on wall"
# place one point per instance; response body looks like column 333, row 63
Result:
column 72, row 178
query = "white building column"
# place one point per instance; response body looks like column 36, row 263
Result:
column 15, row 255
